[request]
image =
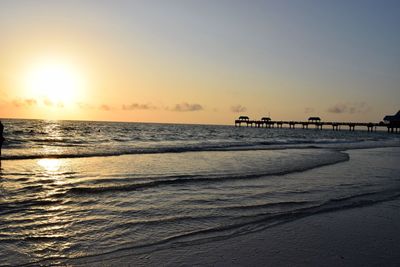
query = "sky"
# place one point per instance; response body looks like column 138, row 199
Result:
column 204, row 62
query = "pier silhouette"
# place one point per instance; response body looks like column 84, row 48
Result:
column 391, row 122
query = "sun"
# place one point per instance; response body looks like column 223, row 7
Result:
column 53, row 81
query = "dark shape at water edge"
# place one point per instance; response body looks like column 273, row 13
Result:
column 392, row 122
column 1, row 138
column 393, row 119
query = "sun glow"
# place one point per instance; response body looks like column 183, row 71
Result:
column 54, row 82
column 50, row 165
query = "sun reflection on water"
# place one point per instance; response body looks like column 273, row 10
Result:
column 50, row 237
column 50, row 165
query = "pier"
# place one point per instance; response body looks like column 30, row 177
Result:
column 391, row 122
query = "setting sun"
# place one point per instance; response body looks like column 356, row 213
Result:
column 57, row 82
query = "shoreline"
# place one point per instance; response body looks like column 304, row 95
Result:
column 363, row 236
column 353, row 236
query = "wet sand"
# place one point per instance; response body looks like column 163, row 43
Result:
column 367, row 236
column 361, row 236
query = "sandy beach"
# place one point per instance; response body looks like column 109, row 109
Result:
column 365, row 236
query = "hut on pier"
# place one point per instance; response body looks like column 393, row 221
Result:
column 265, row 119
column 244, row 118
column 314, row 119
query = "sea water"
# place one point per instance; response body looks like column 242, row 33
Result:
column 73, row 190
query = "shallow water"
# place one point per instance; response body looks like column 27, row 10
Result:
column 227, row 181
column 29, row 139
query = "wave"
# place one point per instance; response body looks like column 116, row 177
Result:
column 12, row 207
column 185, row 179
column 268, row 205
column 256, row 223
column 120, row 151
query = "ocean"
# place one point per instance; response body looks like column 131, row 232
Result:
column 73, row 190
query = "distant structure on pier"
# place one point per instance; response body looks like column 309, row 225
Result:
column 391, row 122
column 314, row 119
column 392, row 118
column 265, row 119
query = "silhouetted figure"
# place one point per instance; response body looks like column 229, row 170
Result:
column 1, row 137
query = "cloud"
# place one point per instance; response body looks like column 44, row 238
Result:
column 50, row 103
column 47, row 102
column 349, row 108
column 186, row 107
column 105, row 107
column 137, row 106
column 83, row 105
column 238, row 109
column 24, row 102
column 309, row 110
column 31, row 102
column 338, row 108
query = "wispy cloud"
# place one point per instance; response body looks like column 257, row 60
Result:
column 238, row 109
column 83, row 105
column 349, row 108
column 105, row 107
column 47, row 102
column 30, row 102
column 186, row 107
column 137, row 106
column 24, row 102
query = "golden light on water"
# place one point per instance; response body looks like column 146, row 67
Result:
column 50, row 165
